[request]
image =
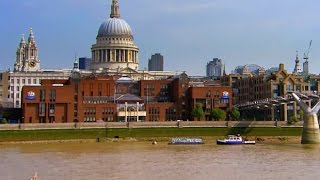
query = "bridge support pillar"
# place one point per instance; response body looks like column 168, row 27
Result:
column 310, row 132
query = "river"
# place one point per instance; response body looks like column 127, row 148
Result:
column 137, row 160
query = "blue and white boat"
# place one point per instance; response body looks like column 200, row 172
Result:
column 234, row 140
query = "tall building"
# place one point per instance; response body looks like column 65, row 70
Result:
column 115, row 47
column 84, row 63
column 214, row 68
column 156, row 62
column 306, row 67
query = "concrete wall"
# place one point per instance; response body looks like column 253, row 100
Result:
column 171, row 124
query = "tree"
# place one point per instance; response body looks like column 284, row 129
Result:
column 301, row 114
column 4, row 121
column 235, row 114
column 218, row 114
column 197, row 112
column 293, row 120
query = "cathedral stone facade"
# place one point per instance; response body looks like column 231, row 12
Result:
column 115, row 47
column 27, row 55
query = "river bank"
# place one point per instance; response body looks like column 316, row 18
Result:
column 206, row 139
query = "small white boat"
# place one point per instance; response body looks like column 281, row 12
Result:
column 234, row 140
column 186, row 141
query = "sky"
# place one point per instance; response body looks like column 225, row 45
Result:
column 188, row 33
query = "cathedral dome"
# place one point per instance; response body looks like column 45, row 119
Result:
column 114, row 26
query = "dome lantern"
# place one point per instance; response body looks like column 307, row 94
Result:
column 115, row 9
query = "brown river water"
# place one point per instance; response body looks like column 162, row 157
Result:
column 142, row 160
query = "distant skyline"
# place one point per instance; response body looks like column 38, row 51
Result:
column 187, row 33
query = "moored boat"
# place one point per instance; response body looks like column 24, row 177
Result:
column 234, row 140
column 186, row 141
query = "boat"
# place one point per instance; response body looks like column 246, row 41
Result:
column 234, row 140
column 186, row 141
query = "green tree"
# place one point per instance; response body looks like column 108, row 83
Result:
column 197, row 112
column 301, row 114
column 293, row 120
column 4, row 121
column 235, row 114
column 218, row 114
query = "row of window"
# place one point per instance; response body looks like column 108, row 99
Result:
column 89, row 119
column 108, row 111
column 52, row 95
column 91, row 111
column 23, row 81
column 154, row 110
column 42, row 108
column 122, row 39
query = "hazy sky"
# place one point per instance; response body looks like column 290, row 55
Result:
column 188, row 33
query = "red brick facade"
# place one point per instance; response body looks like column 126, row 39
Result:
column 112, row 98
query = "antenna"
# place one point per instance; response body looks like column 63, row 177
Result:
column 306, row 55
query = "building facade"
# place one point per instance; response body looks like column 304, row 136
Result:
column 268, row 88
column 4, row 93
column 115, row 98
column 156, row 62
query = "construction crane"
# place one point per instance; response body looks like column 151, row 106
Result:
column 306, row 54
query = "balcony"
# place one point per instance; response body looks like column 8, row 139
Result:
column 98, row 99
column 131, row 110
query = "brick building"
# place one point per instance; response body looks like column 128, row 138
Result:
column 114, row 98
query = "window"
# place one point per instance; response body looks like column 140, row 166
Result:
column 12, row 81
column 17, row 95
column 51, row 108
column 29, row 81
column 18, row 88
column 34, row 81
column 18, row 81
column 42, row 108
column 23, row 81
column 42, row 95
column 289, row 87
column 224, row 101
column 52, row 95
column 12, row 88
column 208, row 94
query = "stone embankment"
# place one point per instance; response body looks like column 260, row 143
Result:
column 171, row 124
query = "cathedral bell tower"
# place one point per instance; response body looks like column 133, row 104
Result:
column 27, row 55
column 20, row 55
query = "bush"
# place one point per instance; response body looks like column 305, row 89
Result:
column 293, row 120
column 4, row 121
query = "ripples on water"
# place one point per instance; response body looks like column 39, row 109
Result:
column 133, row 160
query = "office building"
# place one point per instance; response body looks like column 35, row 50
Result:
column 84, row 63
column 214, row 68
column 156, row 62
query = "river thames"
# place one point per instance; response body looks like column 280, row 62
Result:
column 137, row 160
